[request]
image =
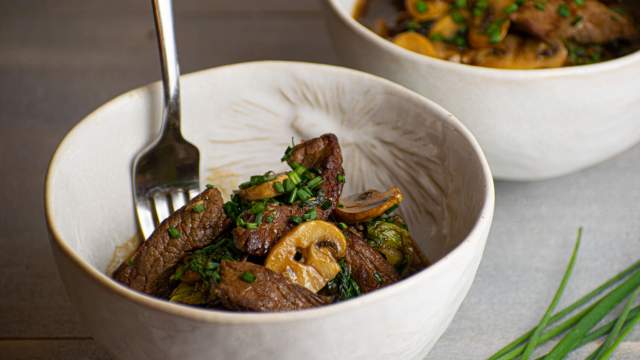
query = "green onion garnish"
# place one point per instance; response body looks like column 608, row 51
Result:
column 269, row 219
column 310, row 215
column 198, row 208
column 511, row 8
column 342, row 226
column 460, row 4
column 535, row 338
column 278, row 187
column 210, row 186
column 294, row 177
column 421, row 6
column 563, row 10
column 173, row 232
column 341, row 179
column 248, row 277
column 457, row 17
column 315, row 182
column 251, row 226
column 617, row 328
column 289, row 185
column 579, row 2
column 292, row 196
column 296, row 219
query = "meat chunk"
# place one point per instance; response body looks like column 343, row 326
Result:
column 246, row 286
column 193, row 226
column 369, row 268
column 323, row 154
column 591, row 23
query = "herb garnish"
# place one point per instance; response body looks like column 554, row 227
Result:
column 198, row 208
column 173, row 232
column 248, row 277
column 343, row 284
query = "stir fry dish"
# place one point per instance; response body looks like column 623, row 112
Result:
column 508, row 34
column 284, row 241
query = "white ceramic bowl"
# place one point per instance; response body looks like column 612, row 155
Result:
column 242, row 117
column 531, row 124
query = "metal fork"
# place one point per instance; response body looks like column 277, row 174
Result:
column 166, row 172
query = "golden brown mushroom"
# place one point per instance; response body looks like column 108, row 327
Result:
column 518, row 53
column 415, row 42
column 367, row 205
column 308, row 254
column 423, row 10
column 264, row 190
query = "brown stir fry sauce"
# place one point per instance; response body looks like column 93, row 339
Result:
column 286, row 241
column 508, row 34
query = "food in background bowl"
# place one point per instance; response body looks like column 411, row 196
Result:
column 532, row 124
column 508, row 34
column 241, row 117
column 283, row 242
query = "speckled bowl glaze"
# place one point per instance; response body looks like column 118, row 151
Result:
column 531, row 124
column 242, row 117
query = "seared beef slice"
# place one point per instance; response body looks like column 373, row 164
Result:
column 598, row 23
column 322, row 153
column 149, row 268
column 369, row 268
column 269, row 291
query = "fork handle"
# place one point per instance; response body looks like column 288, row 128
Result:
column 163, row 15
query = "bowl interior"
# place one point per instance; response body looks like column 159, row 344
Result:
column 242, row 117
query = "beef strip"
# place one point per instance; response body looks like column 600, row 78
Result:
column 323, row 154
column 591, row 23
column 149, row 268
column 269, row 291
column 365, row 262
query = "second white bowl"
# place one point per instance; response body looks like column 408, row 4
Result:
column 531, row 124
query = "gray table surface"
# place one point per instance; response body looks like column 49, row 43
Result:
column 59, row 60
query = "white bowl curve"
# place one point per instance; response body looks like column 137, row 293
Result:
column 242, row 117
column 531, row 124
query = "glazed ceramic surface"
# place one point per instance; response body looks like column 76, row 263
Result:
column 531, row 124
column 242, row 117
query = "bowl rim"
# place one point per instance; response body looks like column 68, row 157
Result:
column 481, row 224
column 445, row 65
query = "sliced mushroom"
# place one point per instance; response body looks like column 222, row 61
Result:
column 264, row 190
column 308, row 254
column 518, row 53
column 415, row 42
column 423, row 10
column 446, row 27
column 367, row 205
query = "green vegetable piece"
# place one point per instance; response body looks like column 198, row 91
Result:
column 341, row 178
column 296, row 219
column 289, row 185
column 278, row 187
column 248, row 277
column 460, row 4
column 344, row 284
column 310, row 215
column 535, row 338
column 294, row 177
column 292, row 196
column 511, row 8
column 251, row 226
column 563, row 10
column 315, row 182
column 342, row 226
column 625, row 332
column 579, row 2
column 210, row 186
column 173, row 232
column 189, row 294
column 198, row 208
column 421, row 6
column 269, row 219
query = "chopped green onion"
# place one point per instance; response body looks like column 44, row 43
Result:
column 421, row 6
column 341, row 179
column 579, row 2
column 259, row 218
column 198, row 208
column 563, row 10
column 511, row 8
column 294, row 177
column 460, row 4
column 292, row 196
column 173, row 232
column 257, row 207
column 391, row 209
column 378, row 277
column 289, row 185
column 296, row 219
column 304, row 194
column 248, row 277
column 251, row 226
column 437, row 37
column 269, row 219
column 299, row 169
column 315, row 182
column 210, row 186
column 457, row 17
column 342, row 226
column 535, row 338
column 310, row 215
column 278, row 187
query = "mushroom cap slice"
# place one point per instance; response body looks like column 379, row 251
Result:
column 430, row 10
column 518, row 53
column 415, row 42
column 262, row 191
column 308, row 254
column 367, row 205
